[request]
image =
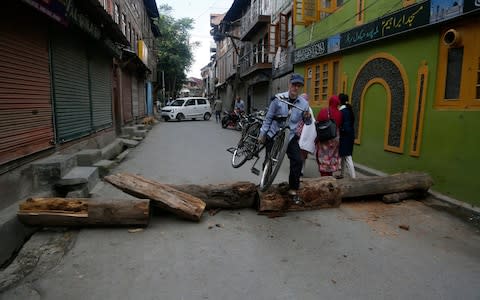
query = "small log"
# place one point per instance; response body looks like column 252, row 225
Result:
column 381, row 185
column 162, row 195
column 84, row 211
column 314, row 193
column 397, row 197
column 233, row 195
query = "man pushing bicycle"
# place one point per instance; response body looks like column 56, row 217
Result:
column 279, row 109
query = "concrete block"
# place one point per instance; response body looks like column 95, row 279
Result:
column 112, row 150
column 88, row 157
column 142, row 133
column 79, row 193
column 47, row 171
column 129, row 143
column 138, row 138
column 128, row 130
column 104, row 166
column 77, row 178
column 122, row 156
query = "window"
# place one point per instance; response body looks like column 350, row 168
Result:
column 458, row 76
column 124, row 24
column 190, row 102
column 116, row 13
column 306, row 12
column 201, row 101
column 419, row 110
column 323, row 79
column 129, row 32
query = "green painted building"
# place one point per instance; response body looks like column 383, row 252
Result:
column 412, row 71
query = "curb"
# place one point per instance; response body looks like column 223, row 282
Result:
column 452, row 202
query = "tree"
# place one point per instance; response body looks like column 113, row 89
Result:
column 175, row 52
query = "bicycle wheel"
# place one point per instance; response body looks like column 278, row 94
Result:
column 274, row 161
column 246, row 147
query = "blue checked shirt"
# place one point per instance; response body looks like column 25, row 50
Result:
column 280, row 109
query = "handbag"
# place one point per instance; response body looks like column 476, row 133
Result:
column 326, row 130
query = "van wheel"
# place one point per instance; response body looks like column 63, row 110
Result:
column 180, row 117
column 207, row 116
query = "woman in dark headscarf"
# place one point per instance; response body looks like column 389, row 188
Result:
column 347, row 136
column 328, row 158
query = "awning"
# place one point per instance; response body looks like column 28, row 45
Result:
column 131, row 60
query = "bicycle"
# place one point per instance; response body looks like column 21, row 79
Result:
column 248, row 147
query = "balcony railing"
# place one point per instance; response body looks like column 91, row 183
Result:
column 259, row 58
column 256, row 16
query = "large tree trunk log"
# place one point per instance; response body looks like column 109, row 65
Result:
column 162, row 195
column 314, row 193
column 84, row 211
column 381, row 185
column 226, row 195
column 327, row 192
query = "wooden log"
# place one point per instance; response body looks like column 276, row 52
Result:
column 397, row 197
column 315, row 194
column 232, row 195
column 162, row 195
column 84, row 211
column 381, row 185
column 327, row 192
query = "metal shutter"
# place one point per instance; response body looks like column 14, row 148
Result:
column 101, row 91
column 25, row 108
column 126, row 96
column 141, row 98
column 71, row 87
column 135, row 97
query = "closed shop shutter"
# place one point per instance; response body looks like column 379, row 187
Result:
column 135, row 97
column 141, row 98
column 25, row 105
column 127, row 97
column 101, row 91
column 71, row 87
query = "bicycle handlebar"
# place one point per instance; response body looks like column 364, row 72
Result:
column 291, row 104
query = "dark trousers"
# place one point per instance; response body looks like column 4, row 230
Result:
column 296, row 163
column 218, row 115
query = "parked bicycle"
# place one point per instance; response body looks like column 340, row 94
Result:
column 249, row 148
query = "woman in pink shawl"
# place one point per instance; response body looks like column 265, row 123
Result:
column 328, row 158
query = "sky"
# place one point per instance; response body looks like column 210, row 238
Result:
column 199, row 11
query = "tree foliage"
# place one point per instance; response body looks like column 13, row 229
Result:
column 175, row 52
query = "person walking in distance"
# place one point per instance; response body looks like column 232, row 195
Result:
column 347, row 137
column 328, row 158
column 217, row 107
column 270, row 126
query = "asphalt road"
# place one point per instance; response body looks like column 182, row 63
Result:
column 356, row 251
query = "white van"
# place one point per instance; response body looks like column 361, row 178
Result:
column 187, row 108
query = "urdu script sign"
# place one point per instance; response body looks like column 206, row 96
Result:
column 311, row 51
